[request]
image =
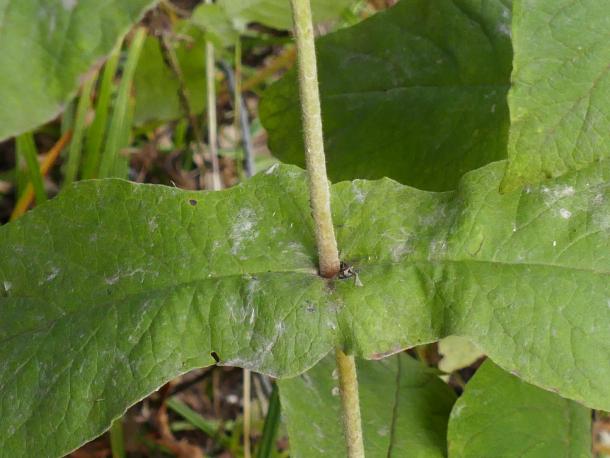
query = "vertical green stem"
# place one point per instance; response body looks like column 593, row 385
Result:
column 210, row 68
column 117, row 441
column 350, row 402
column 319, row 192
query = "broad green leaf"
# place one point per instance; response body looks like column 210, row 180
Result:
column 219, row 28
column 560, row 98
column 457, row 352
column 277, row 13
column 156, row 85
column 499, row 415
column 113, row 288
column 405, row 409
column 416, row 93
column 46, row 48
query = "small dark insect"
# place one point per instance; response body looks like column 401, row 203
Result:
column 347, row 271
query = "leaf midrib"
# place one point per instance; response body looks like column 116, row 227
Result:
column 125, row 297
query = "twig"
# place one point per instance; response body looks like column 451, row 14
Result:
column 240, row 108
column 27, row 197
column 210, row 70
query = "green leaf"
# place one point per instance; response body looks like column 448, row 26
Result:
column 277, row 14
column 500, row 413
column 113, row 288
column 561, row 89
column 47, row 47
column 214, row 20
column 156, row 86
column 405, row 409
column 416, row 93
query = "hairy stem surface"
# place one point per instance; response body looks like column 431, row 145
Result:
column 319, row 191
column 319, row 194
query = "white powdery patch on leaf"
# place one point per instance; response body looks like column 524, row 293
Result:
column 565, row 213
column 359, row 193
column 243, row 230
column 555, row 193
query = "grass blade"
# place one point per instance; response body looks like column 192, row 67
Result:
column 272, row 422
column 120, row 114
column 27, row 149
column 97, row 131
column 197, row 420
column 28, row 195
column 75, row 149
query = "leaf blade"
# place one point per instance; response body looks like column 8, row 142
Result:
column 416, row 93
column 41, row 62
column 499, row 412
column 559, row 98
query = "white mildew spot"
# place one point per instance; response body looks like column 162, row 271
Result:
column 243, row 230
column 554, row 242
column 54, row 273
column 565, row 213
column 504, row 30
column 558, row 192
column 359, row 193
column 335, row 373
column 8, row 285
column 152, row 224
column 335, row 391
column 112, row 280
column 51, row 276
column 457, row 410
column 69, row 4
column 271, row 169
column 437, row 248
column 493, row 108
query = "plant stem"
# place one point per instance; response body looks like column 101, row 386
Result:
column 117, row 441
column 350, row 402
column 319, row 193
column 247, row 413
column 210, row 69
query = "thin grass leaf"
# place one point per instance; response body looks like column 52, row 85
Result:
column 272, row 423
column 75, row 150
column 208, row 427
column 121, row 163
column 97, row 131
column 27, row 149
column 120, row 114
